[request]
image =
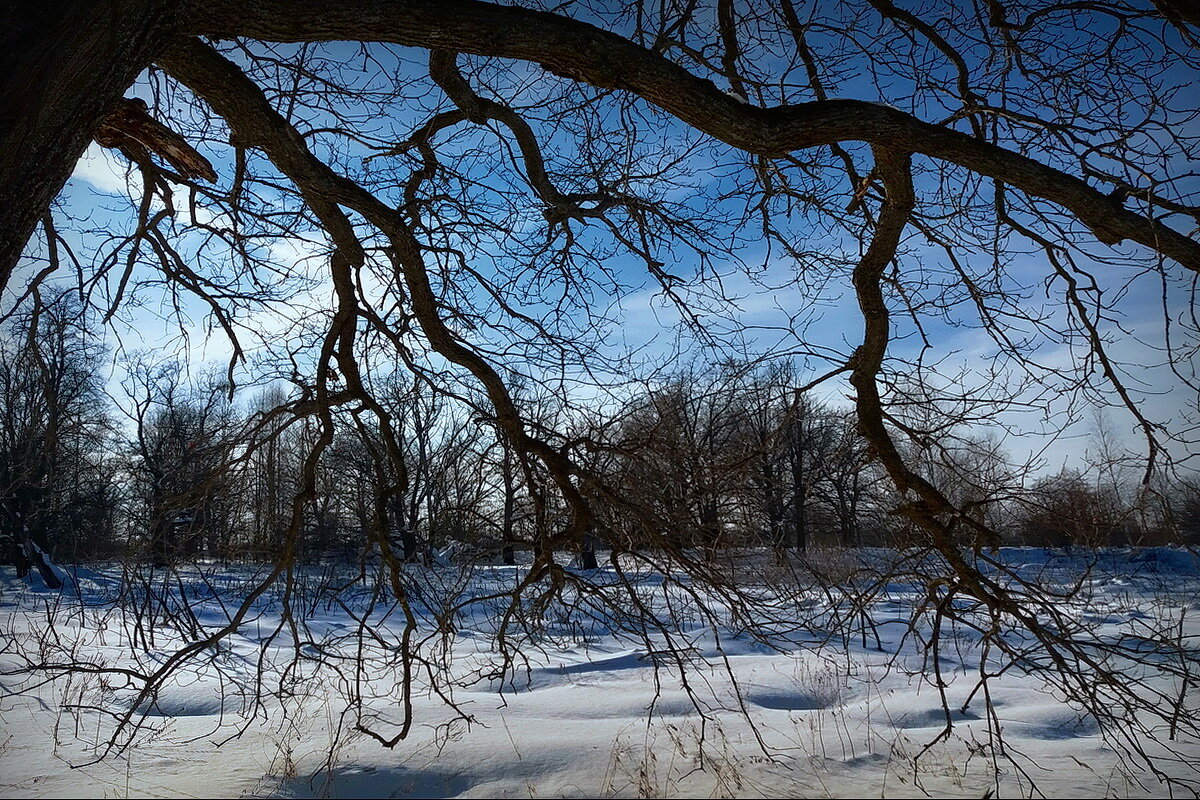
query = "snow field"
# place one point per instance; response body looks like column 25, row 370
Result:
column 589, row 705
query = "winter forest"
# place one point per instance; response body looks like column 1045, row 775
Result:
column 740, row 398
column 721, row 455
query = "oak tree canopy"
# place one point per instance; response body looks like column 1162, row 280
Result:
column 481, row 191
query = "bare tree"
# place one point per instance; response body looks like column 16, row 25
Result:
column 484, row 210
column 54, row 493
column 181, row 459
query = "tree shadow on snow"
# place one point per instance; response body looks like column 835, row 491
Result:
column 374, row 782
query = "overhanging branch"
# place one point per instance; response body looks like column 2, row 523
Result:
column 589, row 54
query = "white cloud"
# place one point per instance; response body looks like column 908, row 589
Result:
column 298, row 249
column 103, row 170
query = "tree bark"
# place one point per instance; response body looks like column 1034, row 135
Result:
column 64, row 64
column 587, row 553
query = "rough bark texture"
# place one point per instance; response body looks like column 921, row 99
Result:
column 131, row 128
column 63, row 66
column 1179, row 11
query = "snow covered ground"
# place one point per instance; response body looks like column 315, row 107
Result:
column 821, row 694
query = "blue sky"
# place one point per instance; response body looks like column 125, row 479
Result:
column 774, row 306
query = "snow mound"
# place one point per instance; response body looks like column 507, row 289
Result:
column 784, row 700
column 1167, row 559
column 932, row 718
column 1052, row 723
column 605, row 667
column 189, row 695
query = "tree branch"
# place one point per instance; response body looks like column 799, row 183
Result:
column 256, row 124
column 583, row 52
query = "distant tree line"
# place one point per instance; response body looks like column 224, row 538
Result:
column 710, row 457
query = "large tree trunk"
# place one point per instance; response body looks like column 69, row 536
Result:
column 587, row 553
column 63, row 65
